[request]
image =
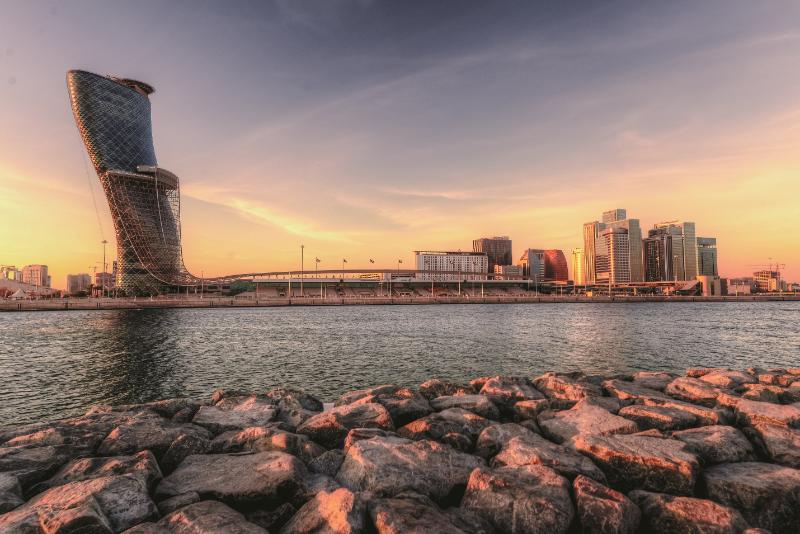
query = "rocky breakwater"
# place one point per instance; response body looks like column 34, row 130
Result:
column 714, row 450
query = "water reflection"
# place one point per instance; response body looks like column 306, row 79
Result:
column 55, row 364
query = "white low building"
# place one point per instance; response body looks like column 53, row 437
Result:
column 454, row 266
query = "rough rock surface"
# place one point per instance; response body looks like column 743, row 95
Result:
column 389, row 466
column 535, row 450
column 263, row 478
column 751, row 412
column 434, row 388
column 338, row 512
column 234, row 413
column 455, row 426
column 529, row 498
column 142, row 464
column 717, row 444
column 657, row 380
column 479, row 404
column 404, row 405
column 778, row 443
column 693, row 390
column 507, row 390
column 147, row 431
column 266, row 439
column 642, row 462
column 495, row 437
column 10, row 492
column 668, row 513
column 767, row 495
column 584, row 419
column 565, row 387
column 330, row 428
column 411, row 513
column 204, row 517
column 602, row 510
column 658, row 417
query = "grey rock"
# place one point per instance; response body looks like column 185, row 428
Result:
column 303, row 399
column 30, row 465
column 763, row 393
column 389, row 466
column 767, row 495
column 584, row 419
column 207, row 517
column 257, row 439
column 10, row 492
column 602, row 510
column 535, row 450
column 642, row 462
column 693, row 390
column 686, row 515
column 241, row 479
column 146, row 431
column 729, row 379
column 505, row 391
column 530, row 409
column 274, row 519
column 565, row 387
column 338, row 512
column 236, row 413
column 479, row 404
column 526, row 499
column 142, row 464
column 657, row 380
column 327, row 463
column 658, row 417
column 330, row 428
column 181, row 447
column 358, row 434
column 106, row 504
column 717, row 444
column 705, row 416
column 404, row 405
column 433, row 388
column 630, row 392
column 457, row 427
column 752, row 412
column 493, row 438
column 779, row 443
column 411, row 513
column 167, row 506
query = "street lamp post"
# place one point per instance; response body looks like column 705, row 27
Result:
column 302, row 247
column 103, row 290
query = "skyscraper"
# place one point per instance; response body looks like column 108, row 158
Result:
column 707, row 256
column 497, row 249
column 684, row 248
column 613, row 256
column 555, row 266
column 113, row 117
column 593, row 248
column 36, row 275
column 578, row 267
column 532, row 263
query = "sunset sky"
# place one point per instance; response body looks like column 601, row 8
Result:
column 368, row 129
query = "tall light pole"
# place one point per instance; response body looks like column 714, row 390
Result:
column 302, row 247
column 316, row 274
column 103, row 290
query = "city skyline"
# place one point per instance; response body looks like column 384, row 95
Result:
column 391, row 143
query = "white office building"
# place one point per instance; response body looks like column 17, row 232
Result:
column 454, row 266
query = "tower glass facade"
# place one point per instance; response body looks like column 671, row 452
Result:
column 113, row 117
column 707, row 256
column 497, row 249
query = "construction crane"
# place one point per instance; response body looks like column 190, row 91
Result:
column 771, row 267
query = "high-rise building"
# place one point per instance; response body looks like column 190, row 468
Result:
column 77, row 283
column 104, row 281
column 684, row 248
column 578, row 267
column 616, row 218
column 113, row 117
column 555, row 266
column 532, row 262
column 35, row 275
column 613, row 256
column 497, row 249
column 707, row 256
column 657, row 253
column 456, row 265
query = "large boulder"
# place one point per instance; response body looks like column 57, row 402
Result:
column 266, row 439
column 147, row 431
column 236, row 413
column 693, row 390
column 389, row 466
column 657, row 380
column 10, row 492
column 704, row 415
column 642, row 462
column 330, row 428
column 327, row 463
column 29, row 465
column 434, row 388
column 479, row 404
column 530, row 409
column 658, row 417
column 584, row 419
column 204, row 517
column 767, row 495
column 602, row 510
column 526, row 499
column 106, row 504
column 729, row 379
column 241, row 479
column 337, row 512
column 412, row 513
column 296, row 396
column 535, row 450
column 455, row 426
column 750, row 412
column 668, row 513
column 564, row 387
column 779, row 443
column 403, row 404
column 495, row 437
column 505, row 391
column 142, row 464
column 716, row 444
column 763, row 393
column 630, row 392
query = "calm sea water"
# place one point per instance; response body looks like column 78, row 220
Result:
column 55, row 364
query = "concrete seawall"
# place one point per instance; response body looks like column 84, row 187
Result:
column 709, row 450
column 233, row 302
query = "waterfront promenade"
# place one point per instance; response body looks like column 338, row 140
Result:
column 707, row 450
column 239, row 302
